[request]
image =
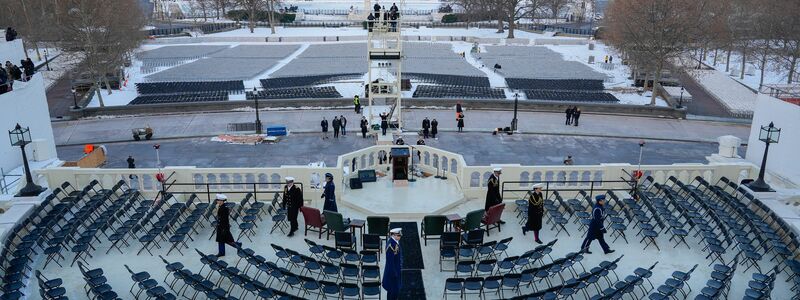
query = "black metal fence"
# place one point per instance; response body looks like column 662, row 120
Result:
column 180, row 28
column 567, row 30
column 238, row 127
column 589, row 186
column 256, row 188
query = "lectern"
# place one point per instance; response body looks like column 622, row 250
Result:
column 400, row 156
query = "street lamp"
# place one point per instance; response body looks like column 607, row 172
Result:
column 258, row 118
column 680, row 100
column 74, row 99
column 21, row 137
column 769, row 134
column 514, row 121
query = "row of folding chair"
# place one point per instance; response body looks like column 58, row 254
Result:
column 469, row 246
column 554, row 215
column 621, row 288
column 50, row 289
column 719, row 282
column 673, row 285
column 333, row 264
column 163, row 226
column 188, row 226
column 325, row 253
column 134, row 223
column 96, row 286
column 148, row 286
column 106, row 218
column 568, row 288
column 761, row 285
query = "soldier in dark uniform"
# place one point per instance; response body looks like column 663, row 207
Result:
column 384, row 122
column 493, row 196
column 434, row 128
column 535, row 212
column 329, row 194
column 596, row 228
column 426, row 125
column 392, row 279
column 224, row 235
column 364, row 127
column 292, row 201
column 568, row 112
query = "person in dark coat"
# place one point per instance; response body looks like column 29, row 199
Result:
column 3, row 81
column 131, row 162
column 384, row 123
column 460, row 122
column 392, row 279
column 329, row 194
column 343, row 121
column 292, row 201
column 426, row 125
column 420, row 141
column 569, row 116
column 434, row 128
column 324, row 125
column 337, row 124
column 493, row 196
column 576, row 114
column 224, row 235
column 596, row 228
column 27, row 70
column 535, row 212
column 364, row 127
column 11, row 34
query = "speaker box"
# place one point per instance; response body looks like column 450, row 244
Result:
column 355, row 183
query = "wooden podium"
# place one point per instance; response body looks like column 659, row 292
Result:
column 400, row 157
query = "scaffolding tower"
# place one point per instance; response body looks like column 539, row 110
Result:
column 385, row 51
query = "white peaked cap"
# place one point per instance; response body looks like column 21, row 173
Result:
column 221, row 197
column 289, row 178
column 498, row 169
column 538, row 185
column 396, row 231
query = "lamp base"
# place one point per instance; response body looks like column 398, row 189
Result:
column 759, row 186
column 30, row 190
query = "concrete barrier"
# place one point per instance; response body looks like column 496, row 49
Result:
column 518, row 41
column 560, row 42
column 483, row 104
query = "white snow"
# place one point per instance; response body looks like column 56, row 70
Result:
column 637, row 99
column 117, row 97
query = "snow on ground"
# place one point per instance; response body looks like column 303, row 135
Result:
column 354, row 31
column 117, row 97
column 775, row 73
column 59, row 67
column 618, row 75
column 637, row 99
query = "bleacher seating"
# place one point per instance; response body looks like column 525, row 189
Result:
column 304, row 81
column 468, row 92
column 181, row 98
column 574, row 96
column 232, row 86
column 555, row 84
column 448, row 80
column 295, row 93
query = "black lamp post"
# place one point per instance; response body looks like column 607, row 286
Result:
column 680, row 100
column 21, row 137
column 769, row 134
column 514, row 121
column 258, row 117
column 74, row 99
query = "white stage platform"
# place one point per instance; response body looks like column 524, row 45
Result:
column 426, row 196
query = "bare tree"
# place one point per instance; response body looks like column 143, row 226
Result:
column 654, row 33
column 253, row 7
column 787, row 35
column 104, row 36
column 555, row 7
column 204, row 6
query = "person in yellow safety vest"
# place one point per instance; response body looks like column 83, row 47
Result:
column 357, row 104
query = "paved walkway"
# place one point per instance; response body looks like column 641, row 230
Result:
column 118, row 129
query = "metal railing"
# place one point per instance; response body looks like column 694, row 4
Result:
column 209, row 191
column 589, row 186
column 567, row 30
column 5, row 184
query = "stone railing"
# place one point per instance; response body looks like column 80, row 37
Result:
column 470, row 179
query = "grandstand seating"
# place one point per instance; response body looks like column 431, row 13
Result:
column 555, row 84
column 575, row 96
column 303, row 81
column 233, row 86
column 468, row 92
column 180, row 98
column 448, row 80
column 295, row 93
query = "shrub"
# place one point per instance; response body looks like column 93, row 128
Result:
column 261, row 16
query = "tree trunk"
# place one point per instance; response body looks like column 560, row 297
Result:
column 99, row 94
column 792, row 68
column 715, row 57
column 271, row 16
column 108, row 85
column 728, row 61
column 205, row 17
column 500, row 25
column 763, row 66
column 655, row 81
column 511, row 27
column 251, row 21
column 744, row 64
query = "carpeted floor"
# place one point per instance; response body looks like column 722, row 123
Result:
column 413, row 285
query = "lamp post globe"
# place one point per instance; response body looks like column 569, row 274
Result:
column 20, row 137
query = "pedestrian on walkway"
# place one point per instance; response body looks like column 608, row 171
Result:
column 576, row 115
column 392, row 270
column 357, row 104
column 224, row 236
column 364, row 127
column 344, row 124
column 329, row 194
column 131, row 162
column 29, row 67
column 292, row 201
column 535, row 212
column 568, row 112
column 596, row 228
column 460, row 122
column 426, row 125
column 337, row 124
column 434, row 128
column 324, row 125
column 384, row 122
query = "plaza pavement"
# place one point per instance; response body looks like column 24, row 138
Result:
column 118, row 129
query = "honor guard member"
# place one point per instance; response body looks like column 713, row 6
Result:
column 535, row 212
column 596, row 228
column 493, row 196
column 292, row 201
column 224, row 235
column 329, row 193
column 394, row 264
